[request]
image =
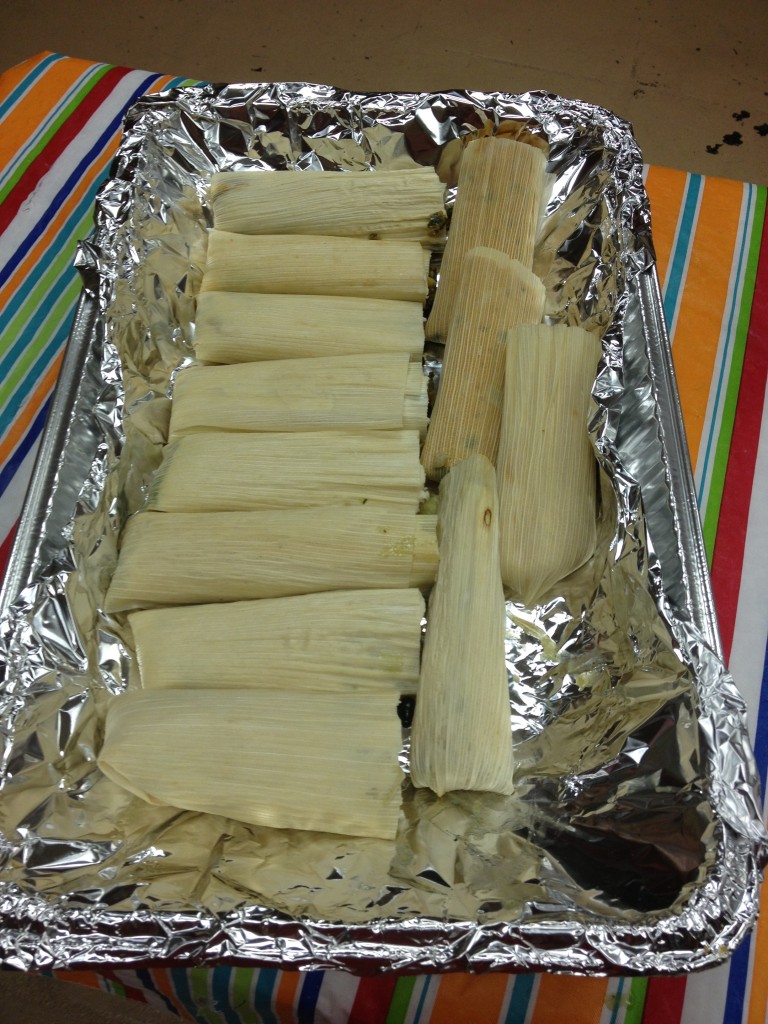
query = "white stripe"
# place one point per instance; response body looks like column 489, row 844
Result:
column 336, row 996
column 42, row 198
column 725, row 346
column 12, row 499
column 688, row 250
column 705, row 995
column 612, row 997
column 751, row 629
column 38, row 129
column 504, row 1009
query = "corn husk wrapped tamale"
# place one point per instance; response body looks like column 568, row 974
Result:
column 315, row 265
column 462, row 736
column 546, row 466
column 497, row 205
column 343, row 640
column 373, row 392
column 495, row 293
column 283, row 758
column 402, row 203
column 241, row 327
column 220, row 472
column 172, row 558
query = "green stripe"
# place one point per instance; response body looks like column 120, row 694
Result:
column 401, row 1000
column 722, row 450
column 61, row 311
column 201, row 996
column 636, row 1001
column 240, row 989
column 54, row 127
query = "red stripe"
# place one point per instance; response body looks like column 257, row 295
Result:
column 664, row 1001
column 5, row 550
column 737, row 493
column 372, row 1000
column 56, row 145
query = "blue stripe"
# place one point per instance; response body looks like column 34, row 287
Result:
column 521, row 997
column 262, row 998
column 89, row 158
column 310, row 990
column 682, row 246
column 220, row 993
column 746, row 236
column 761, row 729
column 9, row 412
column 143, row 975
column 27, row 82
column 422, row 999
column 21, row 451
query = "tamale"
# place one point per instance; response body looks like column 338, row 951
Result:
column 403, row 203
column 343, row 640
column 373, row 392
column 315, row 265
column 495, row 293
column 240, row 327
column 546, row 466
column 462, row 736
column 220, row 472
column 283, row 758
column 171, row 558
column 497, row 205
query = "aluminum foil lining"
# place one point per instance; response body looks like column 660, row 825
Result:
column 634, row 843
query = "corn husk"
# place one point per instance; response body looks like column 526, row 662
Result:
column 238, row 327
column 345, row 640
column 282, row 758
column 496, row 293
column 462, row 736
column 374, row 392
column 172, row 558
column 315, row 265
column 220, row 472
column 497, row 205
column 403, row 203
column 546, row 466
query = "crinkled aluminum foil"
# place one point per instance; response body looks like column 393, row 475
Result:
column 635, row 841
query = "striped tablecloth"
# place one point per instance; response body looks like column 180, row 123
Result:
column 59, row 127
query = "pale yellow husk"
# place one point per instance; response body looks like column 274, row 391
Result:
column 462, row 736
column 546, row 466
column 496, row 293
column 373, row 392
column 497, row 205
column 315, row 265
column 221, row 472
column 281, row 758
column 241, row 327
column 403, row 203
column 172, row 558
column 343, row 640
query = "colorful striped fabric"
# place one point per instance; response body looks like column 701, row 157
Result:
column 59, row 125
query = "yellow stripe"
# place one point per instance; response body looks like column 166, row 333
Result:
column 704, row 296
column 758, row 989
column 665, row 189
column 577, row 1000
column 484, row 993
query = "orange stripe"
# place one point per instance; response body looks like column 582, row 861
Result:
column 30, row 409
column 758, row 990
column 484, row 993
column 577, row 1000
column 706, row 288
column 24, row 120
column 88, row 979
column 10, row 78
column 285, row 996
column 665, row 189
